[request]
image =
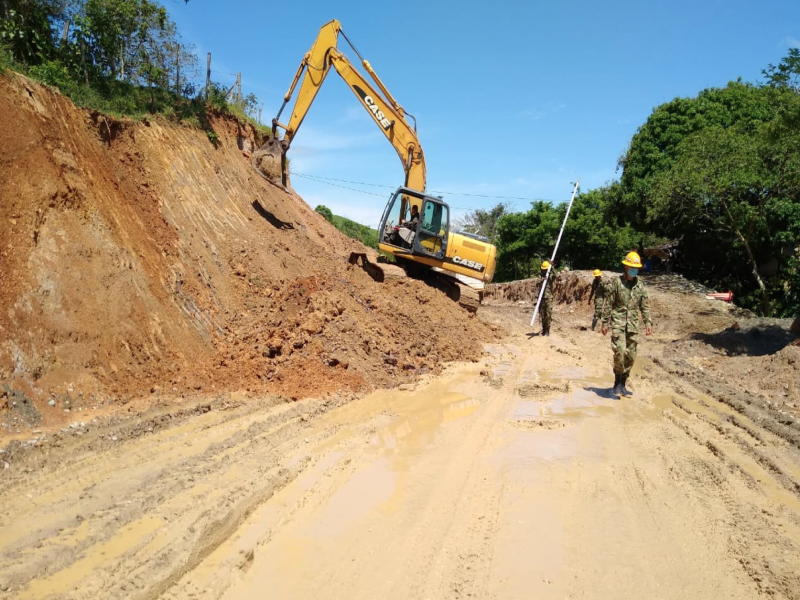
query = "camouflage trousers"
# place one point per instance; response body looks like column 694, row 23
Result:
column 623, row 345
column 546, row 314
column 598, row 309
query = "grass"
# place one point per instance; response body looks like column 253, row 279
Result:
column 366, row 235
column 121, row 99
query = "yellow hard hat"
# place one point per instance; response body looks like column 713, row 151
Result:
column 597, row 273
column 545, row 265
column 632, row 260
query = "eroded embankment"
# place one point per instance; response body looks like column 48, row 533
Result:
column 138, row 259
column 568, row 287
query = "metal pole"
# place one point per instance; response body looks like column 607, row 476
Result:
column 553, row 258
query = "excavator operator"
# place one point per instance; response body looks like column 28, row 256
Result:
column 413, row 221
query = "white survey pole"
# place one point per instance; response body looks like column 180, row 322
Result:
column 553, row 258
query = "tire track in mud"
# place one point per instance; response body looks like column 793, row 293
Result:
column 112, row 504
column 757, row 536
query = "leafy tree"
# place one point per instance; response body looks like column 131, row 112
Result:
column 483, row 222
column 720, row 171
column 656, row 144
column 25, row 27
column 325, row 212
column 525, row 239
column 787, row 73
column 592, row 238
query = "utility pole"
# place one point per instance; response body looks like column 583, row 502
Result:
column 65, row 32
column 553, row 258
column 239, row 89
column 178, row 70
column 208, row 74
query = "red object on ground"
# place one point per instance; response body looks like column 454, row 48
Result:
column 724, row 296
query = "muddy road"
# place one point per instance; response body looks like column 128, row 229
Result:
column 514, row 477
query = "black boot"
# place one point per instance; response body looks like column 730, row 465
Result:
column 616, row 391
column 546, row 331
column 594, row 323
column 622, row 387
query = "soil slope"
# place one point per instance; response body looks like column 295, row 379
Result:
column 138, row 259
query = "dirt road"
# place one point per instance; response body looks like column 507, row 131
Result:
column 514, row 477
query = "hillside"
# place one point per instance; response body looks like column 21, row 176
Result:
column 139, row 261
column 363, row 233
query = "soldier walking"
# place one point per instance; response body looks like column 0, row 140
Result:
column 599, row 294
column 546, row 310
column 626, row 296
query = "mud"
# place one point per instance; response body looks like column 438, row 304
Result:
column 516, row 477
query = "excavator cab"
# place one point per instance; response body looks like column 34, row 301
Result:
column 427, row 237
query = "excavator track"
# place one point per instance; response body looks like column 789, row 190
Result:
column 468, row 298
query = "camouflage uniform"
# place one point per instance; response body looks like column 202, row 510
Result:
column 623, row 301
column 546, row 309
column 599, row 287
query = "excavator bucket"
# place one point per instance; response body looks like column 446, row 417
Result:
column 270, row 161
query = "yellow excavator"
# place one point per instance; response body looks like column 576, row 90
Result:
column 415, row 226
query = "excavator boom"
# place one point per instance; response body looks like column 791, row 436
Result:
column 384, row 109
column 421, row 241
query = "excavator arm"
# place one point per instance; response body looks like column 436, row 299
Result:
column 387, row 113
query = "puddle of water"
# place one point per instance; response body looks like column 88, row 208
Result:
column 664, row 402
column 367, row 491
column 572, row 373
column 369, row 497
column 125, row 540
column 416, row 430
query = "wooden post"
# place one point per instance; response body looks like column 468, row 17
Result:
column 83, row 62
column 208, row 74
column 65, row 32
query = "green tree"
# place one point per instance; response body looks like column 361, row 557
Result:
column 25, row 28
column 325, row 212
column 483, row 222
column 656, row 144
column 524, row 239
column 720, row 172
column 787, row 73
column 592, row 238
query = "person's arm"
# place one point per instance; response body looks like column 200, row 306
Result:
column 644, row 307
column 609, row 296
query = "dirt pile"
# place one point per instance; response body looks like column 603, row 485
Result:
column 140, row 259
column 568, row 287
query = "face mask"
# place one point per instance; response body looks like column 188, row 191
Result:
column 633, row 272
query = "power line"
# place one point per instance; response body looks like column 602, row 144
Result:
column 312, row 178
column 320, row 177
column 316, row 180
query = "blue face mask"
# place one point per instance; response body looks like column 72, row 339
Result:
column 633, row 272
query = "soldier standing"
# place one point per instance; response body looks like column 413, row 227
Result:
column 546, row 310
column 626, row 296
column 599, row 294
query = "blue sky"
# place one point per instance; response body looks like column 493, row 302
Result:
column 512, row 98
